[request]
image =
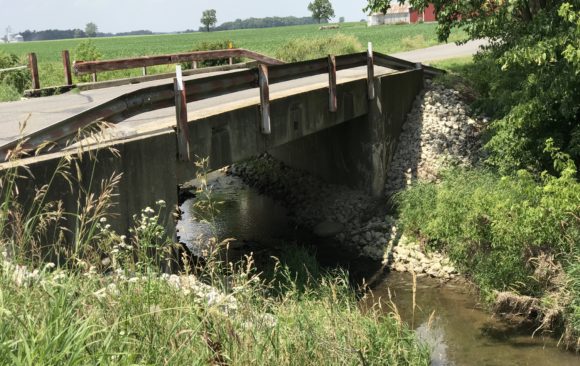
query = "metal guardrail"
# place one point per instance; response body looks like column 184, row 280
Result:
column 163, row 96
column 93, row 67
column 14, row 68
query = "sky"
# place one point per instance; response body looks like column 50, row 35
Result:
column 113, row 16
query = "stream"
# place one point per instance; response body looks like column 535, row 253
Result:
column 447, row 317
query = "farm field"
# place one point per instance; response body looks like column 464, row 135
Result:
column 269, row 41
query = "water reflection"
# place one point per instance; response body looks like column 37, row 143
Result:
column 460, row 333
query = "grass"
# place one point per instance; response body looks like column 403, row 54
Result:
column 107, row 302
column 386, row 39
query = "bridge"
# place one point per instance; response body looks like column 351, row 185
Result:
column 337, row 117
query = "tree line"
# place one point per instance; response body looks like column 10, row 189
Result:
column 322, row 11
column 54, row 34
column 267, row 22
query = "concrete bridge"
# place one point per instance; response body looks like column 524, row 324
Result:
column 341, row 126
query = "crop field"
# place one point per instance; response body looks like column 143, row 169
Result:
column 269, row 41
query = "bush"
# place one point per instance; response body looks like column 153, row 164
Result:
column 12, row 83
column 302, row 49
column 86, row 51
column 212, row 46
column 492, row 227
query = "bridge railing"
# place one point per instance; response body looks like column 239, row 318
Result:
column 164, row 96
column 94, row 67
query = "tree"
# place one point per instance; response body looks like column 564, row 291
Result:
column 91, row 29
column 377, row 6
column 341, row 20
column 321, row 10
column 531, row 67
column 209, row 18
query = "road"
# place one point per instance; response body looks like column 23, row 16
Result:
column 41, row 112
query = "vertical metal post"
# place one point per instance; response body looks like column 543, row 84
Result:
column 195, row 64
column 94, row 77
column 144, row 70
column 332, row 102
column 231, row 61
column 33, row 66
column 67, row 70
column 370, row 72
column 181, row 116
column 264, row 99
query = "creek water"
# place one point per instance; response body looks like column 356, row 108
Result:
column 447, row 317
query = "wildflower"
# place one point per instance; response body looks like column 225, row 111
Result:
column 154, row 309
column 122, row 237
column 160, row 203
column 103, row 219
column 100, row 294
column 49, row 265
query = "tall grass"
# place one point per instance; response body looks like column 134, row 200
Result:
column 301, row 49
column 108, row 303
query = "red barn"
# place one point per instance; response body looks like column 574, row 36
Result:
column 403, row 14
column 427, row 15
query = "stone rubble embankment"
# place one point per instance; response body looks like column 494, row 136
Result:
column 439, row 132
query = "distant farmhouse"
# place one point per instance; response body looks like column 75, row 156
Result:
column 398, row 14
column 12, row 38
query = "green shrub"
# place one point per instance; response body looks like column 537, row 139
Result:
column 212, row 46
column 86, row 51
column 8, row 93
column 301, row 49
column 493, row 226
column 12, row 83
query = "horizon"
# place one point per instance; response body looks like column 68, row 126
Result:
column 133, row 15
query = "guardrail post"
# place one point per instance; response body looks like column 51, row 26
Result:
column 33, row 66
column 264, row 99
column 94, row 77
column 144, row 70
column 67, row 70
column 370, row 72
column 181, row 116
column 194, row 65
column 231, row 60
column 332, row 102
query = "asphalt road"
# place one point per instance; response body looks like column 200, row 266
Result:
column 41, row 112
